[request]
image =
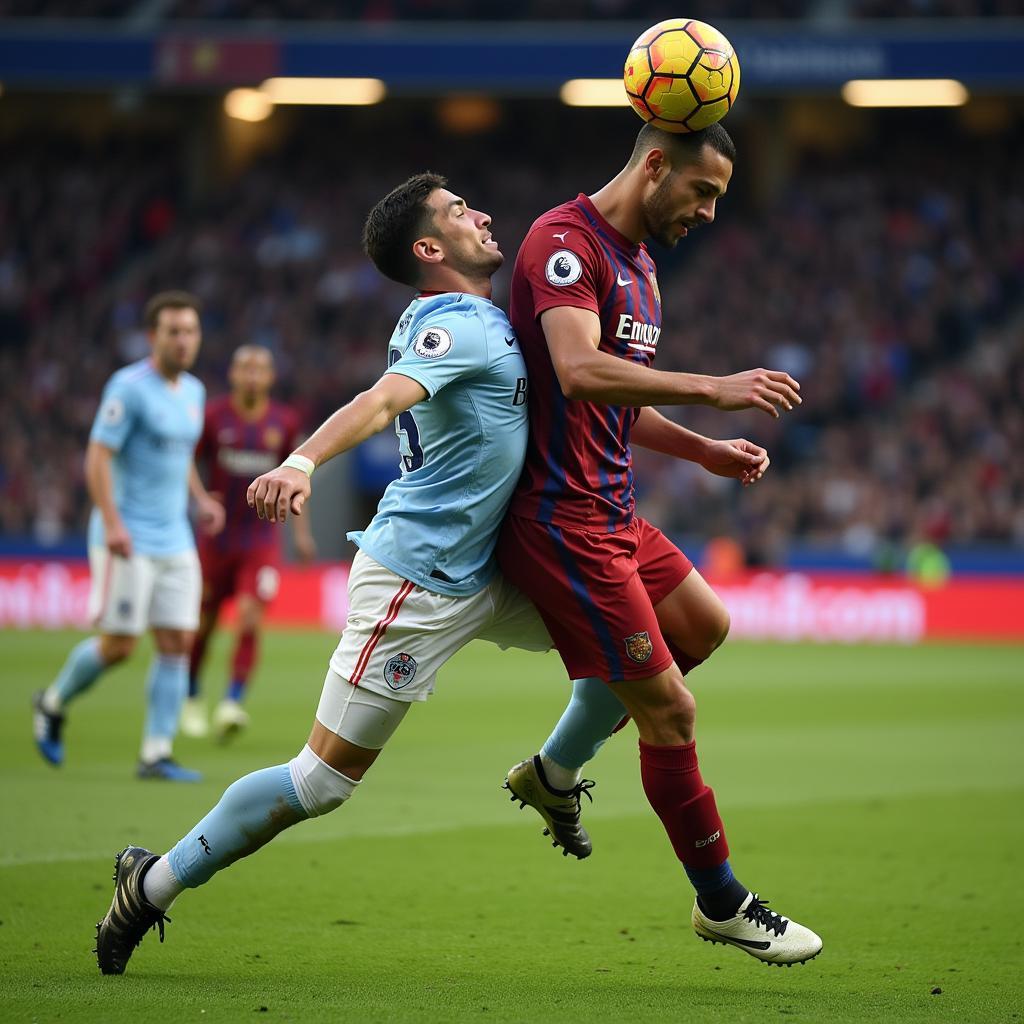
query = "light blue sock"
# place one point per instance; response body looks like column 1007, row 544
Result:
column 593, row 712
column 250, row 813
column 82, row 668
column 166, row 687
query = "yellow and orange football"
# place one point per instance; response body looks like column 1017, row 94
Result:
column 682, row 75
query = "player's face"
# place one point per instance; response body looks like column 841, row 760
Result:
column 684, row 198
column 175, row 339
column 252, row 374
column 464, row 235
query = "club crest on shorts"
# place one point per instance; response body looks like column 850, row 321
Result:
column 400, row 671
column 639, row 647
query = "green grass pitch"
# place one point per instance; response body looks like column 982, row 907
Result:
column 873, row 793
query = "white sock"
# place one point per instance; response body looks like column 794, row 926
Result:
column 155, row 748
column 52, row 704
column 159, row 885
column 559, row 777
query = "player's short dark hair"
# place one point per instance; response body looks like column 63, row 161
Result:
column 396, row 222
column 168, row 300
column 684, row 147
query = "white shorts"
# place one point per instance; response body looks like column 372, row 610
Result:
column 129, row 595
column 398, row 635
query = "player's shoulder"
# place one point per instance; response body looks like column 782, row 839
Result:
column 132, row 376
column 564, row 223
column 219, row 407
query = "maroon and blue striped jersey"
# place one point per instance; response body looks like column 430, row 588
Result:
column 236, row 450
column 578, row 470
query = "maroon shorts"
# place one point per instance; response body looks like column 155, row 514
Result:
column 596, row 592
column 232, row 573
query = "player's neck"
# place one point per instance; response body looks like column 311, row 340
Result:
column 171, row 376
column 250, row 410
column 618, row 202
column 448, row 281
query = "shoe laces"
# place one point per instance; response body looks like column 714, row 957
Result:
column 758, row 913
column 582, row 788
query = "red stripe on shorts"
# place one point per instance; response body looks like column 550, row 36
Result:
column 379, row 630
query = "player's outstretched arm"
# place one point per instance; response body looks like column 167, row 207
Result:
column 286, row 489
column 99, row 480
column 738, row 459
column 584, row 372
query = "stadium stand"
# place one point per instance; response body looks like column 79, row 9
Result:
column 890, row 286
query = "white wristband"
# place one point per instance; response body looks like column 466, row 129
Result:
column 300, row 462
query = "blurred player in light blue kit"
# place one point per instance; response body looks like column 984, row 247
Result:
column 142, row 553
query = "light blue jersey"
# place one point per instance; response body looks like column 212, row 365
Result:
column 461, row 450
column 152, row 426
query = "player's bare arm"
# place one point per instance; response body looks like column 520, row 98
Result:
column 99, row 480
column 584, row 372
column 738, row 458
column 210, row 510
column 286, row 489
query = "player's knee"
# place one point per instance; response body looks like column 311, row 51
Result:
column 715, row 633
column 114, row 649
column 173, row 642
column 319, row 787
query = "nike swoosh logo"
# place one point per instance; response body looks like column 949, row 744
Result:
column 622, row 282
column 510, row 341
column 560, row 237
column 751, row 943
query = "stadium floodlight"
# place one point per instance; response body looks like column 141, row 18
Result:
column 248, row 105
column 905, row 92
column 324, row 91
column 594, row 92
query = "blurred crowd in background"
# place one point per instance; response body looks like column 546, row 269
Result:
column 891, row 285
column 647, row 11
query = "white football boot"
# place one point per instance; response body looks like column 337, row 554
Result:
column 193, row 718
column 760, row 932
column 229, row 719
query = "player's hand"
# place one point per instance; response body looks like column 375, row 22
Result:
column 768, row 390
column 738, row 459
column 305, row 548
column 211, row 515
column 279, row 492
column 119, row 541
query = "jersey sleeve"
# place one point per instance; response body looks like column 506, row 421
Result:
column 444, row 349
column 563, row 265
column 116, row 415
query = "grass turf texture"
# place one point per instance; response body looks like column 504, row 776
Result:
column 874, row 793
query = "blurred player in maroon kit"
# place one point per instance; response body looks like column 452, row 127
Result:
column 244, row 435
column 623, row 605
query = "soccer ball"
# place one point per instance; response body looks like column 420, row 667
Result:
column 682, row 75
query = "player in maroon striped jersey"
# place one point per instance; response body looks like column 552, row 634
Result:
column 622, row 603
column 244, row 435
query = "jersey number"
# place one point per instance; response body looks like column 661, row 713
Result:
column 407, row 431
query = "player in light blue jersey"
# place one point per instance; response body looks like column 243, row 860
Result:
column 423, row 583
column 145, row 573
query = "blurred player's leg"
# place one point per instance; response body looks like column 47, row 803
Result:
column 251, row 812
column 118, row 599
column 218, row 584
column 174, row 614
column 258, row 579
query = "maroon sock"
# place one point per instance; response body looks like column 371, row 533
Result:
column 686, row 806
column 245, row 657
